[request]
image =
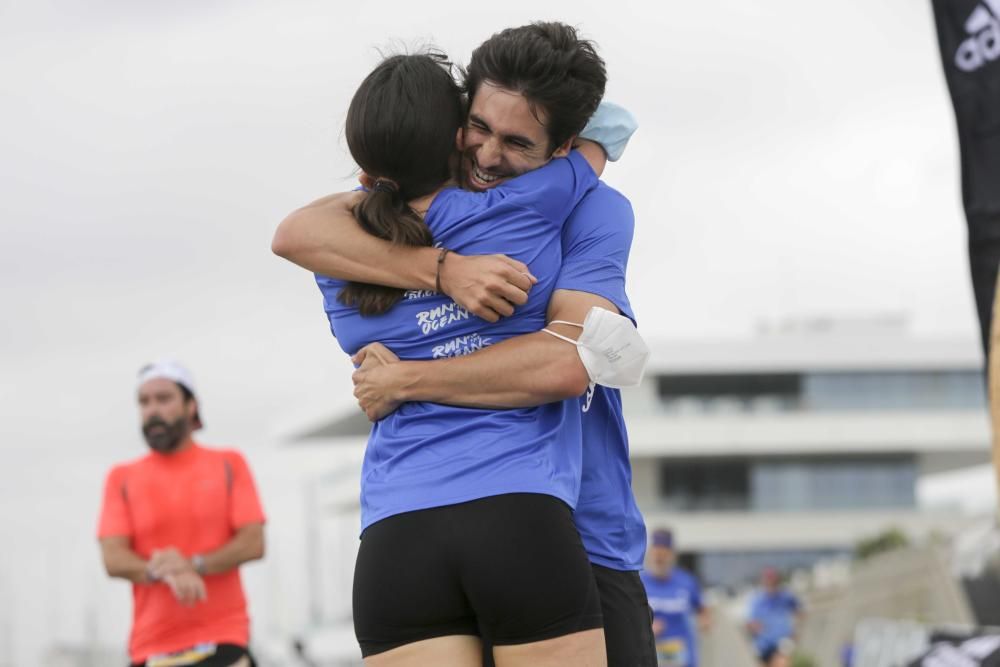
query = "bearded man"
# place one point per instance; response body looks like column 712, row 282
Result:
column 178, row 523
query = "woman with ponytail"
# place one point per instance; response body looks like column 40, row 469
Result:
column 467, row 526
column 401, row 128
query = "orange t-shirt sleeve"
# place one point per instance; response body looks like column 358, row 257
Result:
column 245, row 505
column 114, row 520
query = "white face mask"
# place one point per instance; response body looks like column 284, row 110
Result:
column 610, row 348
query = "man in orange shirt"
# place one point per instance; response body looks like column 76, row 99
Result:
column 177, row 523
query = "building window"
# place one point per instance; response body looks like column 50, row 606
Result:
column 722, row 392
column 782, row 484
column 822, row 391
column 925, row 390
column 834, row 483
column 712, row 485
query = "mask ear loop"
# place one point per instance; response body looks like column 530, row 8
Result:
column 590, row 387
column 560, row 336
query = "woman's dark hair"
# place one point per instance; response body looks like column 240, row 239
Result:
column 401, row 127
column 556, row 71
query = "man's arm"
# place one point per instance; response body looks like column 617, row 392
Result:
column 753, row 625
column 524, row 371
column 798, row 619
column 704, row 619
column 324, row 237
column 121, row 562
column 245, row 545
column 530, row 369
column 702, row 613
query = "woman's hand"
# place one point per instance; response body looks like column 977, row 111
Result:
column 375, row 381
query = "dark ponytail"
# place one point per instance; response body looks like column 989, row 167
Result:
column 401, row 127
column 384, row 214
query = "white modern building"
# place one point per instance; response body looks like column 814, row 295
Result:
column 796, row 444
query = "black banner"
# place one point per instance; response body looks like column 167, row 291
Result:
column 969, row 36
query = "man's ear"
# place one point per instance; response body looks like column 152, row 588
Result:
column 565, row 148
column 194, row 417
column 366, row 181
column 460, row 138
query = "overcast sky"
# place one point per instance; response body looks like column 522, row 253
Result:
column 794, row 159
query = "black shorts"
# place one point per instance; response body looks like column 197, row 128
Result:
column 628, row 621
column 225, row 656
column 628, row 629
column 766, row 653
column 509, row 567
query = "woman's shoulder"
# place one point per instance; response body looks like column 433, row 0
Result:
column 452, row 207
column 453, row 197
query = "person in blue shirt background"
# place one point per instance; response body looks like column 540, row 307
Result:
column 675, row 601
column 773, row 618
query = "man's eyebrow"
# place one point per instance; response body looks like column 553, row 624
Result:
column 478, row 120
column 507, row 137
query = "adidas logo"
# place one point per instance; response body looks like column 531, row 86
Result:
column 984, row 44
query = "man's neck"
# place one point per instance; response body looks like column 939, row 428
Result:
column 185, row 445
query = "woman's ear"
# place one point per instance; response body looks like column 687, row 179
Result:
column 366, row 181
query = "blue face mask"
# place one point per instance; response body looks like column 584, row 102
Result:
column 611, row 126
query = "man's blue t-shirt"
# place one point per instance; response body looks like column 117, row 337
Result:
column 426, row 454
column 596, row 242
column 675, row 601
column 776, row 614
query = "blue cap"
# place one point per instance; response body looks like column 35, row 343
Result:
column 663, row 538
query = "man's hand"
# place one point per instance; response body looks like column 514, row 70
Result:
column 165, row 562
column 374, row 380
column 187, row 587
column 488, row 286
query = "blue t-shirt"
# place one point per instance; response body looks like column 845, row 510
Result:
column 676, row 602
column 596, row 242
column 426, row 454
column 776, row 614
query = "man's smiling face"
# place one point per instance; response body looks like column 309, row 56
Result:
column 502, row 138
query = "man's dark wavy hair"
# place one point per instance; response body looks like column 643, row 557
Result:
column 559, row 74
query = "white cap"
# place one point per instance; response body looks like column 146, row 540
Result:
column 167, row 369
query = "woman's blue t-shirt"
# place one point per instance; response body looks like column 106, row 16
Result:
column 427, row 454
